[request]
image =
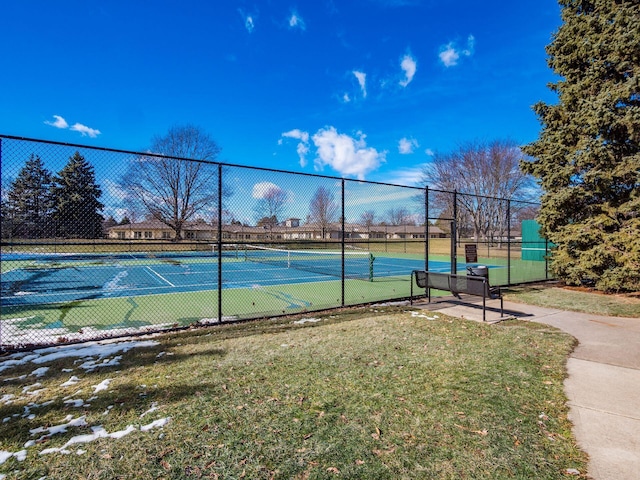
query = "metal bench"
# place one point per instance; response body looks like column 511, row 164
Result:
column 457, row 284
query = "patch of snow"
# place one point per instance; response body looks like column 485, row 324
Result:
column 391, row 304
column 307, row 320
column 154, row 407
column 20, row 456
column 40, row 372
column 113, row 283
column 29, row 387
column 99, row 350
column 72, row 381
column 225, row 318
column 14, row 333
column 422, row 315
column 91, row 365
column 36, row 392
column 101, row 386
column 62, row 428
column 157, row 424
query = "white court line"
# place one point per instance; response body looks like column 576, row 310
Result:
column 160, row 276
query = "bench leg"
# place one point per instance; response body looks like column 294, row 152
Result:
column 484, row 308
column 411, row 290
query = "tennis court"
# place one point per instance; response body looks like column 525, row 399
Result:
column 62, row 278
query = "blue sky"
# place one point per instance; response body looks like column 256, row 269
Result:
column 361, row 89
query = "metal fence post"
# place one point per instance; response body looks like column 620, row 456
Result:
column 342, row 240
column 546, row 259
column 219, row 243
column 509, row 242
column 426, row 228
column 454, row 235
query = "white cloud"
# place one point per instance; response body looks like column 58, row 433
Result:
column 114, row 189
column 362, row 81
column 346, row 98
column 450, row 53
column 407, row 145
column 296, row 21
column 84, row 130
column 379, row 194
column 58, row 123
column 347, row 155
column 76, row 127
column 302, row 149
column 248, row 19
column 303, row 145
column 429, row 152
column 261, row 189
column 411, row 176
column 471, row 43
column 409, row 66
column 297, row 133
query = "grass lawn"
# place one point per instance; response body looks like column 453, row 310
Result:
column 372, row 393
column 547, row 295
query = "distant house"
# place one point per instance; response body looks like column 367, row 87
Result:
column 156, row 230
column 290, row 229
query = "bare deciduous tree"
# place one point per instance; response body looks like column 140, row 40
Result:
column 323, row 209
column 272, row 204
column 399, row 216
column 368, row 218
column 171, row 189
column 484, row 174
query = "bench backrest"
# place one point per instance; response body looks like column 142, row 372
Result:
column 471, row 285
column 439, row 281
column 453, row 283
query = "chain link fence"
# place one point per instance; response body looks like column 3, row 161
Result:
column 99, row 243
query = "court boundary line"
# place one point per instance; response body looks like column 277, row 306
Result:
column 159, row 276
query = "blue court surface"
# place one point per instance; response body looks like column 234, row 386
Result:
column 68, row 278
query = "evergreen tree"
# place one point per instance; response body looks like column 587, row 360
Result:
column 107, row 224
column 6, row 223
column 28, row 205
column 76, row 194
column 587, row 157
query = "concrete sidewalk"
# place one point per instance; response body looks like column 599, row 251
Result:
column 603, row 383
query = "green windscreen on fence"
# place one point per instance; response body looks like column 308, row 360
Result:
column 534, row 247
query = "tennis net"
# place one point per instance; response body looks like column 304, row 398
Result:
column 357, row 265
column 230, row 250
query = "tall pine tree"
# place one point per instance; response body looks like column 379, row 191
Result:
column 587, row 157
column 76, row 193
column 29, row 202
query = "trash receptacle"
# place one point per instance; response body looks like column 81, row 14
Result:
column 478, row 271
